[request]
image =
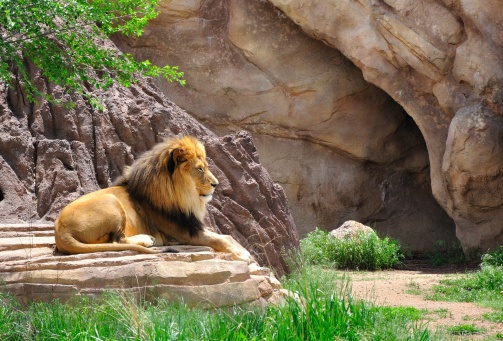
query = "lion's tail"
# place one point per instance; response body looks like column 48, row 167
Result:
column 69, row 245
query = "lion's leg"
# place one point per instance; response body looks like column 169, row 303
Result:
column 139, row 239
column 219, row 242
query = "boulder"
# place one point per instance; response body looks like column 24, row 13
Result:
column 340, row 147
column 51, row 155
column 351, row 229
column 32, row 271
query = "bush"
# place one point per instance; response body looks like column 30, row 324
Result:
column 494, row 258
column 445, row 253
column 363, row 252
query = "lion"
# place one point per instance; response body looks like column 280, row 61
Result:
column 162, row 196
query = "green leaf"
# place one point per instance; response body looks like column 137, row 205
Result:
column 66, row 41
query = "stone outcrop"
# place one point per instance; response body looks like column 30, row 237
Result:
column 340, row 147
column 442, row 61
column 50, row 156
column 351, row 229
column 31, row 270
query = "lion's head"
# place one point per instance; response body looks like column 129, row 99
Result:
column 189, row 168
column 174, row 178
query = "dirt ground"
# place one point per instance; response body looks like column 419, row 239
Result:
column 408, row 286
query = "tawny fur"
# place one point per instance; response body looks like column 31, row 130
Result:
column 163, row 195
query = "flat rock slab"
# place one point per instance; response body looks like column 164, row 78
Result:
column 32, row 270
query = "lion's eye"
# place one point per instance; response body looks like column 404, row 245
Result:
column 200, row 169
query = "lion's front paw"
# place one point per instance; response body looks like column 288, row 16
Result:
column 242, row 255
column 142, row 239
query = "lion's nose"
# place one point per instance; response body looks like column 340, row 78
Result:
column 214, row 185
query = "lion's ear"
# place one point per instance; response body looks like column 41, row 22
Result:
column 176, row 157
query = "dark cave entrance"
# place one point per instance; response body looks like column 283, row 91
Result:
column 409, row 211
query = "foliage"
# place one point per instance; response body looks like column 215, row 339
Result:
column 465, row 329
column 483, row 285
column 66, row 40
column 494, row 258
column 494, row 316
column 363, row 252
column 322, row 311
column 445, row 253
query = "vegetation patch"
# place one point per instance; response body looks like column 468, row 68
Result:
column 465, row 329
column 363, row 252
column 495, row 316
column 446, row 253
column 413, row 289
column 320, row 310
column 483, row 287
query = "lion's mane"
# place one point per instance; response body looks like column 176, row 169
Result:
column 159, row 181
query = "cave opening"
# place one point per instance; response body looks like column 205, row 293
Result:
column 409, row 211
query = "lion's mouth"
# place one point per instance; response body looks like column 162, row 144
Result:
column 206, row 197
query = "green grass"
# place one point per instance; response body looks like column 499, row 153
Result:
column 495, row 316
column 441, row 312
column 484, row 285
column 445, row 253
column 494, row 258
column 413, row 289
column 364, row 252
column 465, row 329
column 324, row 311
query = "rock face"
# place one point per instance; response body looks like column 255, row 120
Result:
column 341, row 148
column 31, row 270
column 49, row 156
column 442, row 61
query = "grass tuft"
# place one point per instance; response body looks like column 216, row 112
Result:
column 363, row 252
column 465, row 329
column 445, row 253
column 494, row 258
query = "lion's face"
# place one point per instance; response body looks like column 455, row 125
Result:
column 188, row 164
column 203, row 178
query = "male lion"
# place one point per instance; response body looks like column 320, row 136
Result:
column 162, row 195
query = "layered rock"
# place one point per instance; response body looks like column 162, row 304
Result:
column 32, row 271
column 341, row 147
column 50, row 155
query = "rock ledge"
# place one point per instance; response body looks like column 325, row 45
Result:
column 31, row 270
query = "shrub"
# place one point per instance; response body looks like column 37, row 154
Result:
column 493, row 258
column 363, row 252
column 445, row 253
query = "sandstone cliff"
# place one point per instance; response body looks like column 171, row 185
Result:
column 341, row 147
column 442, row 61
